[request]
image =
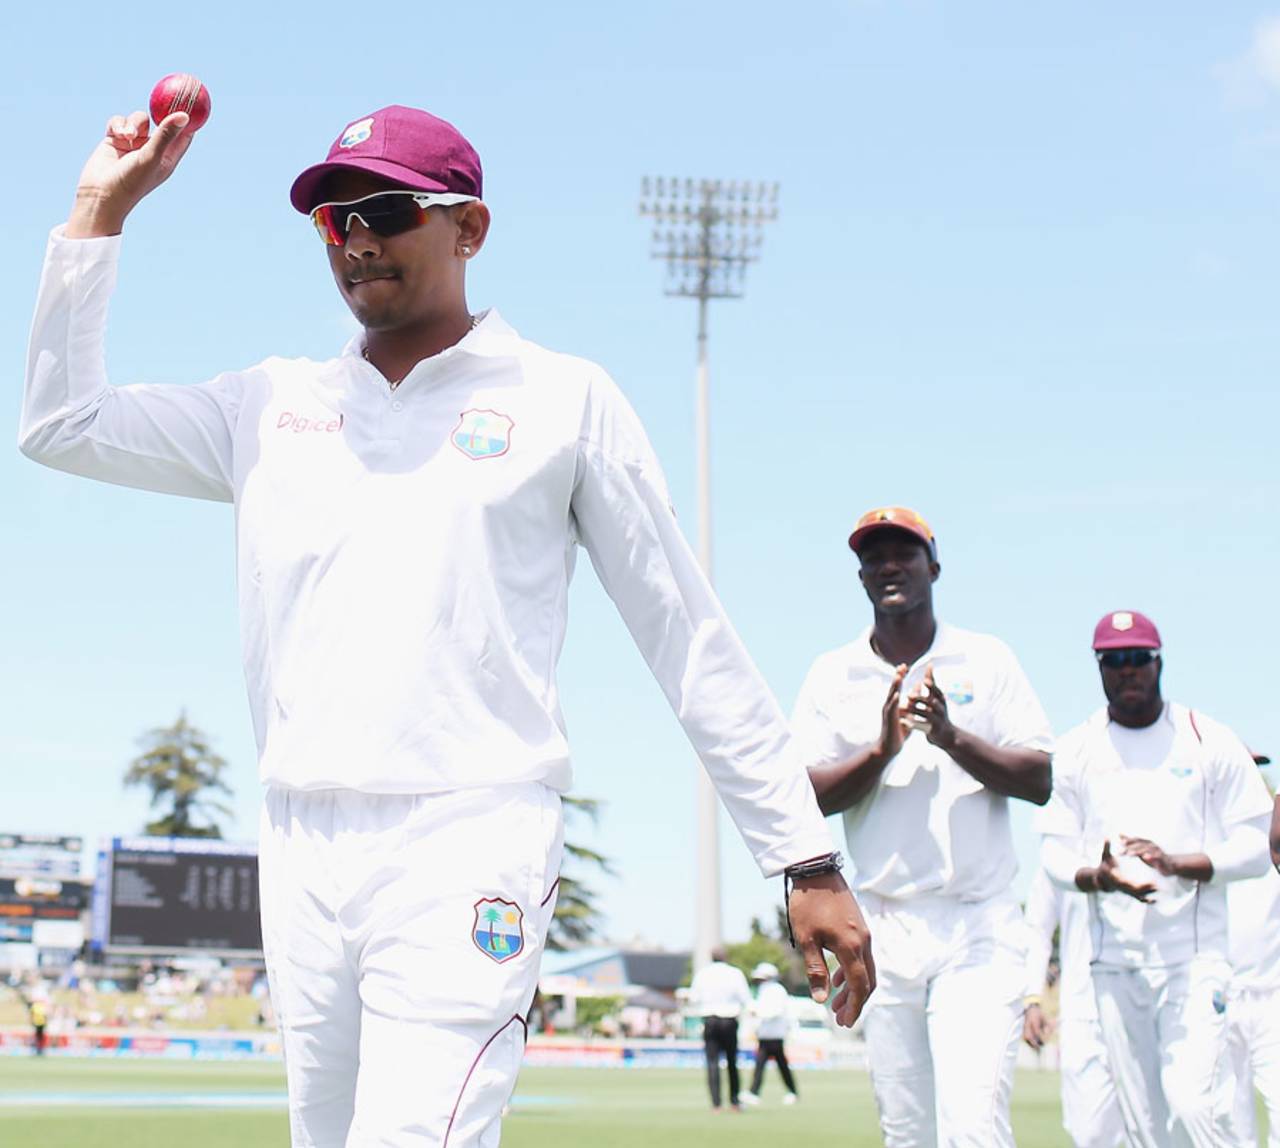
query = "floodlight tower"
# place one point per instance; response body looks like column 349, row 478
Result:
column 707, row 231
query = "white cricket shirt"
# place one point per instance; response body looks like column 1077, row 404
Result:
column 928, row 826
column 404, row 557
column 1253, row 930
column 720, row 989
column 1050, row 907
column 1181, row 785
column 772, row 1010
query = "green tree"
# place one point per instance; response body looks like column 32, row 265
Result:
column 775, row 948
column 183, row 773
column 492, row 916
column 593, row 1011
column 577, row 915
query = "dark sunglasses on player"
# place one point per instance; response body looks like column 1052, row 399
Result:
column 1120, row 659
column 384, row 213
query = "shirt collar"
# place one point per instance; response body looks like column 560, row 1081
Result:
column 491, row 337
column 945, row 643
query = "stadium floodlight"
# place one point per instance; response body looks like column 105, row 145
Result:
column 707, row 231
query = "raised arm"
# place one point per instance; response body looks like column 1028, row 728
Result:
column 175, row 439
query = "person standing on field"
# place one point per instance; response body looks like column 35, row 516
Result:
column 1090, row 1110
column 720, row 995
column 1156, row 809
column 920, row 733
column 772, row 1011
column 39, row 1010
column 408, row 514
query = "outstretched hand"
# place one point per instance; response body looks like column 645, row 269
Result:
column 129, row 163
column 824, row 916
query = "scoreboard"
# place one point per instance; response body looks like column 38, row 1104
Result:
column 43, row 898
column 177, row 894
column 40, row 855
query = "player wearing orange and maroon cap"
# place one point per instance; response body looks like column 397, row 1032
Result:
column 920, row 733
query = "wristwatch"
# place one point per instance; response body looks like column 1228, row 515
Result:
column 814, row 867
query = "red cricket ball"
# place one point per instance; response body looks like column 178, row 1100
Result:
column 181, row 92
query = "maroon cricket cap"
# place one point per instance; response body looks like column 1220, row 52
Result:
column 1126, row 630
column 405, row 145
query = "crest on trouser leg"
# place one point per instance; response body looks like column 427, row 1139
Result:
column 498, row 930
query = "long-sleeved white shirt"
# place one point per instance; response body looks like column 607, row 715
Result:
column 404, row 557
column 772, row 1010
column 1188, row 784
column 1253, row 928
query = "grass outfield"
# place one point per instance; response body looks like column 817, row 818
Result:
column 602, row 1108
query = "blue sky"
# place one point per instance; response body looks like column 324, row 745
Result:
column 1023, row 278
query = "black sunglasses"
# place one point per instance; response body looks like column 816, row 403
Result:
column 385, row 213
column 1120, row 659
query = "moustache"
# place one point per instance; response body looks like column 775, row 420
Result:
column 369, row 271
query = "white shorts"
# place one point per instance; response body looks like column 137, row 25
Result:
column 402, row 936
column 944, row 1022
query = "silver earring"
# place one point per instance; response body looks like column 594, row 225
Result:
column 466, row 250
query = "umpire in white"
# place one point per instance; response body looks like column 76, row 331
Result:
column 1155, row 809
column 919, row 733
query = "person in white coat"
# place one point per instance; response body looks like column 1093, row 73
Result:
column 408, row 514
column 1156, row 808
column 1090, row 1111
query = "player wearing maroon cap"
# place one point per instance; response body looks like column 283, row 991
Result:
column 919, row 733
column 1155, row 809
column 407, row 515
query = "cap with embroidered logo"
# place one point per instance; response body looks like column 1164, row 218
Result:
column 893, row 518
column 1126, row 630
column 408, row 146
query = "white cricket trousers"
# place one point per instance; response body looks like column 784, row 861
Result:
column 1253, row 1038
column 1090, row 1108
column 402, row 937
column 1166, row 1036
column 944, row 1022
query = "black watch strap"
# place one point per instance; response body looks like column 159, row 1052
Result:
column 815, row 867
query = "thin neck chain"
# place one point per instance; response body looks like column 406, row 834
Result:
column 393, row 383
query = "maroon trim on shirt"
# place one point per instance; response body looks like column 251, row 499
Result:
column 550, row 893
column 517, row 1019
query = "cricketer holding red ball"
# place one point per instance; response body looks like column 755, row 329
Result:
column 407, row 517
